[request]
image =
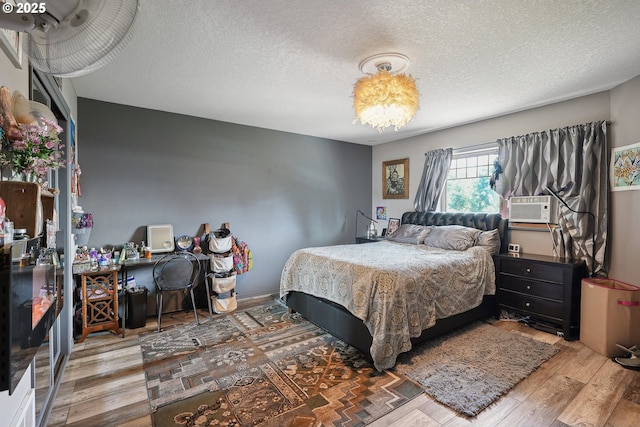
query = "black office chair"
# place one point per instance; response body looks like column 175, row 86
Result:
column 177, row 271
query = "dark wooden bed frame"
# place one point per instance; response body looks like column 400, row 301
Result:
column 342, row 324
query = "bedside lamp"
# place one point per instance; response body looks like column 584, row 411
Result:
column 371, row 230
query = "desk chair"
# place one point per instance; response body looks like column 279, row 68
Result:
column 176, row 272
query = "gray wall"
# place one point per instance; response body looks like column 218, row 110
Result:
column 625, row 205
column 279, row 191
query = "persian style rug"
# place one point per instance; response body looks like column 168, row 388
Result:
column 264, row 367
column 471, row 368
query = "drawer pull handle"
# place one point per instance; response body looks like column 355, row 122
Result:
column 528, row 287
column 528, row 270
column 528, row 304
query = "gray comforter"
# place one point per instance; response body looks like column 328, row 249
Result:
column 396, row 289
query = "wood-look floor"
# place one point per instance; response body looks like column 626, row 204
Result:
column 103, row 385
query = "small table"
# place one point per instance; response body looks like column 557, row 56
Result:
column 99, row 300
column 364, row 239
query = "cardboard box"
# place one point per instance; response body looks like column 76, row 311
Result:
column 609, row 315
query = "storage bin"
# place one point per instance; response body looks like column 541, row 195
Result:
column 609, row 315
column 220, row 241
column 222, row 284
column 221, row 263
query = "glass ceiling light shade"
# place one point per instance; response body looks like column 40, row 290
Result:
column 384, row 99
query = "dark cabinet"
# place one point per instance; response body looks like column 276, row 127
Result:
column 544, row 289
column 369, row 239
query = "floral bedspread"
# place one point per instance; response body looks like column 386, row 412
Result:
column 396, row 289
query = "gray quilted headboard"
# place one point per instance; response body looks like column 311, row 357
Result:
column 481, row 221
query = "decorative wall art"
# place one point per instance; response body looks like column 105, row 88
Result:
column 381, row 212
column 11, row 42
column 395, row 179
column 394, row 223
column 625, row 168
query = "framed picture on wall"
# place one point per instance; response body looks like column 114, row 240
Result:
column 395, row 179
column 625, row 168
column 394, row 223
column 11, row 43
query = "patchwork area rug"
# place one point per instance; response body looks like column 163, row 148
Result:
column 472, row 367
column 264, row 367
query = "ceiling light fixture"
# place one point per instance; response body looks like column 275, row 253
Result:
column 384, row 99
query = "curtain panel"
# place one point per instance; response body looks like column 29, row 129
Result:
column 434, row 178
column 573, row 162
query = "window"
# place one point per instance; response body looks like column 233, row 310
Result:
column 467, row 188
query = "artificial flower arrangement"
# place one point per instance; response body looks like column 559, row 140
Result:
column 30, row 138
column 33, row 149
column 82, row 220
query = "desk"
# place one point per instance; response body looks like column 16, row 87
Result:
column 150, row 262
column 99, row 299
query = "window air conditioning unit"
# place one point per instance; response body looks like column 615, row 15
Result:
column 536, row 209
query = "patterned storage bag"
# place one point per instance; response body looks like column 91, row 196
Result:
column 242, row 256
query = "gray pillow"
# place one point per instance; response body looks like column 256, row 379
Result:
column 456, row 237
column 409, row 233
column 490, row 240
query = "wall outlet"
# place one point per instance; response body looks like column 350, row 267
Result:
column 514, row 247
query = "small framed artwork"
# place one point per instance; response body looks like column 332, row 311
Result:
column 395, row 179
column 625, row 168
column 11, row 43
column 381, row 212
column 394, row 223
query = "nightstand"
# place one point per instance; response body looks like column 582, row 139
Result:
column 369, row 239
column 544, row 288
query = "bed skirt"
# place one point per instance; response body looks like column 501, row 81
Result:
column 339, row 322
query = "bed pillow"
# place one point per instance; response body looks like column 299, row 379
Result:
column 490, row 240
column 456, row 237
column 409, row 233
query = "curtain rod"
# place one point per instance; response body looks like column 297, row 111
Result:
column 607, row 122
column 474, row 147
column 485, row 145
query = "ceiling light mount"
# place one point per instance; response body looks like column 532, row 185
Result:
column 392, row 62
column 383, row 99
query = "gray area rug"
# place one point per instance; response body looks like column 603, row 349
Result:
column 471, row 368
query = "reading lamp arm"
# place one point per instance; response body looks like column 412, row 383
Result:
column 363, row 214
column 593, row 236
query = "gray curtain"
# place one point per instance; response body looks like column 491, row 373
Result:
column 434, row 177
column 573, row 162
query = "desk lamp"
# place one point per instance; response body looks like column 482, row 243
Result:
column 371, row 230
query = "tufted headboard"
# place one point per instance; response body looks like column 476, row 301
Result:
column 481, row 221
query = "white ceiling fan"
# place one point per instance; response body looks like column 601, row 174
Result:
column 70, row 38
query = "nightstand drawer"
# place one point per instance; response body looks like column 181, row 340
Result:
column 535, row 306
column 529, row 269
column 532, row 287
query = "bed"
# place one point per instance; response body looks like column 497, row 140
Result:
column 384, row 297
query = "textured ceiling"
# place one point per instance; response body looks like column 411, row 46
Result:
column 290, row 65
